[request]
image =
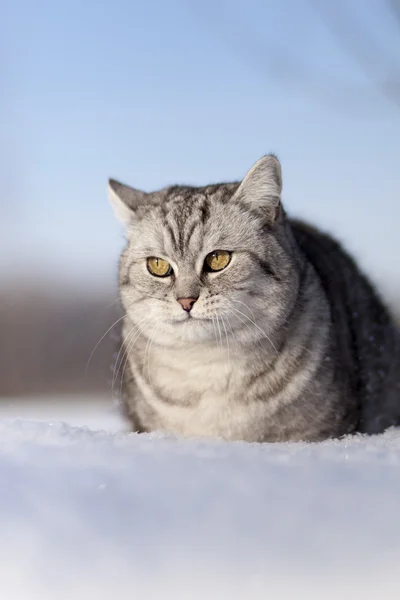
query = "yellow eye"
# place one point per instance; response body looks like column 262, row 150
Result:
column 218, row 260
column 159, row 267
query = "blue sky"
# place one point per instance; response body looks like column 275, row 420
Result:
column 158, row 92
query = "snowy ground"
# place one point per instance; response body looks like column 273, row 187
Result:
column 105, row 514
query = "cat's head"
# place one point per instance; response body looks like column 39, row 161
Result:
column 204, row 263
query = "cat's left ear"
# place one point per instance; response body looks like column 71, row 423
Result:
column 125, row 200
column 262, row 186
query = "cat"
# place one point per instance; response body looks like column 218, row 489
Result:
column 243, row 324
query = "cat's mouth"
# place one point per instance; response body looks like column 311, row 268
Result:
column 192, row 318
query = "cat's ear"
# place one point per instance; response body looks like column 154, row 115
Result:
column 125, row 200
column 262, row 186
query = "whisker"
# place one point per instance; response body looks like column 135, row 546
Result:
column 101, row 339
column 151, row 340
column 248, row 307
column 124, row 361
column 126, row 349
column 215, row 329
column 232, row 333
column 117, row 362
column 259, row 328
column 246, row 325
column 135, row 327
column 220, row 335
column 227, row 342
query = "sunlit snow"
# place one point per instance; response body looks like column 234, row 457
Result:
column 86, row 513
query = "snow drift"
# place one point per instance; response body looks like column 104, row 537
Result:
column 88, row 514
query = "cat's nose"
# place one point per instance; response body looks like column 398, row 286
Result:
column 187, row 303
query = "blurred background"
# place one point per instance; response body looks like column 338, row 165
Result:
column 158, row 92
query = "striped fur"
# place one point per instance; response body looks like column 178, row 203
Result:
column 289, row 342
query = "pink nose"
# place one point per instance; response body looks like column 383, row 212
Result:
column 187, row 303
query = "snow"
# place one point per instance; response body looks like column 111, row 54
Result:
column 89, row 513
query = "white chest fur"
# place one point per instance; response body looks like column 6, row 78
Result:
column 196, row 393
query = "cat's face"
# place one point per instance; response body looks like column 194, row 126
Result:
column 203, row 264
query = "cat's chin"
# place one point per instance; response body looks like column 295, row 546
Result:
column 193, row 328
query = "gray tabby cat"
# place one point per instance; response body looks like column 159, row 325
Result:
column 245, row 325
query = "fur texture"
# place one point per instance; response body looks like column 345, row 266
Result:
column 288, row 342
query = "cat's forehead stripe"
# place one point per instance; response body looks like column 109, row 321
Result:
column 186, row 209
column 183, row 217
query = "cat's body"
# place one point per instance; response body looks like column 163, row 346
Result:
column 287, row 342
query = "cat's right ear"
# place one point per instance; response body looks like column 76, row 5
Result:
column 125, row 200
